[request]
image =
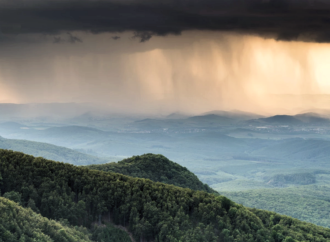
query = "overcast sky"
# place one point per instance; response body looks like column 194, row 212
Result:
column 165, row 56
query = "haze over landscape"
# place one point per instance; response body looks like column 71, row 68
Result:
column 162, row 111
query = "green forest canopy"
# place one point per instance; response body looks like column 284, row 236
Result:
column 156, row 168
column 22, row 224
column 308, row 203
column 151, row 211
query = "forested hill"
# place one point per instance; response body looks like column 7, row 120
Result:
column 151, row 211
column 156, row 168
column 18, row 224
column 21, row 224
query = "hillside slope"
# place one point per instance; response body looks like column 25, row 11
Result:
column 151, row 211
column 308, row 203
column 49, row 151
column 156, row 168
column 21, row 224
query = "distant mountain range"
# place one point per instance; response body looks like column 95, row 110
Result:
column 86, row 114
column 197, row 140
column 234, row 114
column 312, row 118
column 299, row 119
column 281, row 119
column 210, row 119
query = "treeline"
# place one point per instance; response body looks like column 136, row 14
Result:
column 151, row 211
column 156, row 168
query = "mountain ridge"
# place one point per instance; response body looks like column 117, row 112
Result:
column 156, row 168
column 150, row 210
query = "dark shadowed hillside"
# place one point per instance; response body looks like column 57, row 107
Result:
column 156, row 168
column 21, row 224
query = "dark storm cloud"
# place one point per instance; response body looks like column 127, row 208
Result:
column 143, row 36
column 74, row 39
column 282, row 19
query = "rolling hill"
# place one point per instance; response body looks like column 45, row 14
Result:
column 211, row 120
column 178, row 146
column 156, row 168
column 151, row 211
column 299, row 119
column 208, row 120
column 235, row 114
column 281, row 120
column 312, row 118
column 316, row 150
column 49, row 151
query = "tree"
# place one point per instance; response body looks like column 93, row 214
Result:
column 14, row 196
column 31, row 204
column 288, row 239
